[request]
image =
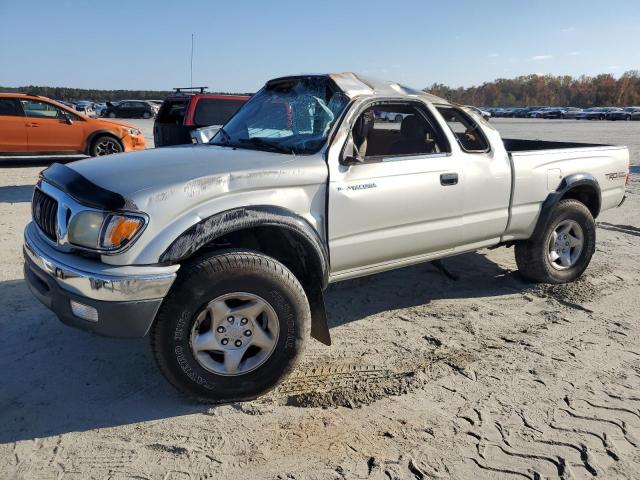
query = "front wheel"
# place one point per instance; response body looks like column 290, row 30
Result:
column 562, row 252
column 233, row 326
column 146, row 115
column 105, row 146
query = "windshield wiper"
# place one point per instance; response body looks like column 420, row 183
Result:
column 260, row 142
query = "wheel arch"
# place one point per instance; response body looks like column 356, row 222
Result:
column 579, row 186
column 101, row 133
column 274, row 231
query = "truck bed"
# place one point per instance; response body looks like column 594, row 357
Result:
column 522, row 145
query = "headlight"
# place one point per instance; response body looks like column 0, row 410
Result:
column 103, row 231
column 133, row 131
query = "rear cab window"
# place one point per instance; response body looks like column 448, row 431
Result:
column 212, row 111
column 173, row 111
column 465, row 129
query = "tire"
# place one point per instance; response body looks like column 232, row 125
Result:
column 105, row 145
column 184, row 320
column 627, row 118
column 146, row 115
column 112, row 115
column 533, row 256
column 602, row 117
column 398, row 119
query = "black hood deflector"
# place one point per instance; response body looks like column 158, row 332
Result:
column 82, row 189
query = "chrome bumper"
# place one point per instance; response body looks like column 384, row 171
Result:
column 95, row 280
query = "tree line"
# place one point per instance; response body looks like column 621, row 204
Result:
column 584, row 91
column 532, row 90
column 94, row 95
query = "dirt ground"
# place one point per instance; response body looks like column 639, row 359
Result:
column 487, row 376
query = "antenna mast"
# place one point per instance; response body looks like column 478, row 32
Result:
column 192, row 60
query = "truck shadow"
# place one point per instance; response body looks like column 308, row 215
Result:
column 16, row 193
column 628, row 229
column 56, row 379
column 418, row 285
column 19, row 161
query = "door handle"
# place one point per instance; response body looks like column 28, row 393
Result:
column 447, row 179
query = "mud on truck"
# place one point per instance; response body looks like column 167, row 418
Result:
column 221, row 252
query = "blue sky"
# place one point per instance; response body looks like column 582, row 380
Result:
column 239, row 44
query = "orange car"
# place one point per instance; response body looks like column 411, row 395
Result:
column 30, row 124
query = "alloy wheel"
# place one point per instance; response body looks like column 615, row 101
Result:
column 234, row 334
column 565, row 244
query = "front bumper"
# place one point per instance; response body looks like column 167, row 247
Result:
column 126, row 299
column 133, row 142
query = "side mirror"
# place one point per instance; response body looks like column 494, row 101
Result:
column 350, row 154
column 67, row 119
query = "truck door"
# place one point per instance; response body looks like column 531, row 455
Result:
column 487, row 176
column 401, row 201
column 13, row 129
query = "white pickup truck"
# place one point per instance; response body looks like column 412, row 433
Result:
column 222, row 251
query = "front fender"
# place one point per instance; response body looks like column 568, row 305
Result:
column 244, row 218
column 223, row 223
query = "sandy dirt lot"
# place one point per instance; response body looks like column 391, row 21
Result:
column 487, row 376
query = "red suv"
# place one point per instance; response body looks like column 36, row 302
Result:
column 185, row 111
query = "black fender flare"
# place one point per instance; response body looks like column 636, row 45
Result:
column 568, row 183
column 99, row 133
column 243, row 218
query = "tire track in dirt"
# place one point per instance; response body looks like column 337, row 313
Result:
column 580, row 438
column 357, row 384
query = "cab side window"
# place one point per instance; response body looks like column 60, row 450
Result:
column 396, row 130
column 35, row 109
column 467, row 132
column 10, row 108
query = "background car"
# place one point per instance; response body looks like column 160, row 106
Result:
column 183, row 112
column 626, row 113
column 482, row 112
column 99, row 108
column 85, row 107
column 524, row 112
column 131, row 109
column 539, row 113
column 594, row 113
column 571, row 113
column 34, row 125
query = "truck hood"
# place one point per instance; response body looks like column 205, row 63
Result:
column 185, row 172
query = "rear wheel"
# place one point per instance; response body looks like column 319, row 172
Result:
column 146, row 115
column 562, row 252
column 105, row 145
column 398, row 118
column 112, row 115
column 232, row 328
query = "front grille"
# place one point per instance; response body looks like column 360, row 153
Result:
column 45, row 210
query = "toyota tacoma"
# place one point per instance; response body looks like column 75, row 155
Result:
column 221, row 252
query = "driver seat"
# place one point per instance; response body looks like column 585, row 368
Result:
column 414, row 137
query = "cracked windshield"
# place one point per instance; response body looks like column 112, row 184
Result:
column 287, row 116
